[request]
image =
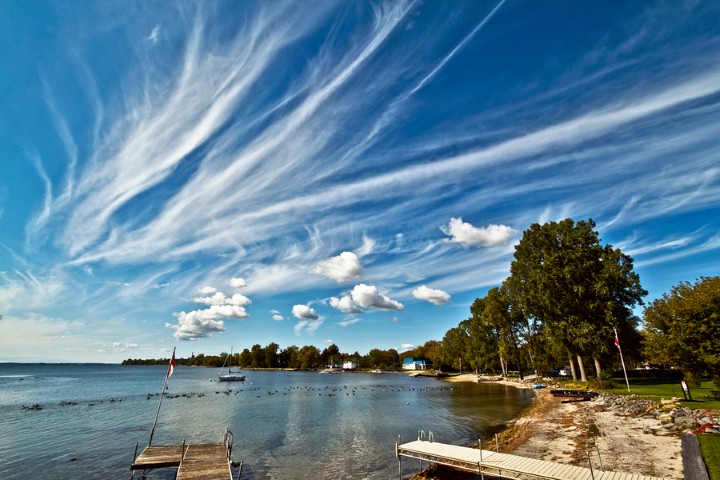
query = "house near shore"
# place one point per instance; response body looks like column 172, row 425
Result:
column 351, row 364
column 416, row 363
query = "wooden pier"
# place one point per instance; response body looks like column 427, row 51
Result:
column 486, row 462
column 207, row 461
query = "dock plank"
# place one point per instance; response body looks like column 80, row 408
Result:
column 158, row 456
column 205, row 462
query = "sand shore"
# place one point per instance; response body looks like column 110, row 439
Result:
column 625, row 434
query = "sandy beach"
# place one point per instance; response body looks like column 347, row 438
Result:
column 624, row 434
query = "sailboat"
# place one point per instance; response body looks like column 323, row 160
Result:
column 230, row 376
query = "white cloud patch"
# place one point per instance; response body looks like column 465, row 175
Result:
column 278, row 317
column 345, row 304
column 436, row 297
column 367, row 247
column 220, row 298
column 307, row 326
column 405, row 347
column 303, row 312
column 196, row 324
column 367, row 296
column 467, row 234
column 131, row 345
column 238, row 282
column 309, row 319
column 349, row 321
column 203, row 323
column 153, row 37
column 341, row 268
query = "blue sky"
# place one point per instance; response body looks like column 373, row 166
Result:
column 216, row 174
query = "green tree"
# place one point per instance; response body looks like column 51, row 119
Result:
column 308, row 357
column 330, row 353
column 271, row 355
column 288, row 357
column 507, row 325
column 245, row 358
column 454, row 347
column 577, row 289
column 682, row 328
column 258, row 356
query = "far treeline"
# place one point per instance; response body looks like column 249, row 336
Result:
column 565, row 300
column 308, row 357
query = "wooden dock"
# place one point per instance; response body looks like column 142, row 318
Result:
column 503, row 465
column 206, row 461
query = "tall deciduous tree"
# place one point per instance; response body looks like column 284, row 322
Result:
column 495, row 310
column 683, row 329
column 577, row 289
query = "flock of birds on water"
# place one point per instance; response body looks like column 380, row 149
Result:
column 327, row 390
column 321, row 391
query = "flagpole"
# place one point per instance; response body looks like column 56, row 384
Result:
column 617, row 343
column 162, row 394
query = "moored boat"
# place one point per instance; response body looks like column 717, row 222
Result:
column 230, row 376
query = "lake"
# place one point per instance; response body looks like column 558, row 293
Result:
column 286, row 424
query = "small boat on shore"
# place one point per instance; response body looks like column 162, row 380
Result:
column 571, row 393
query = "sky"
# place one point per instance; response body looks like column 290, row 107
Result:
column 207, row 175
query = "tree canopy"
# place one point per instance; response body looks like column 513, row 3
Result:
column 682, row 328
column 577, row 289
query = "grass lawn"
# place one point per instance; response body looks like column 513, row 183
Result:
column 710, row 447
column 655, row 389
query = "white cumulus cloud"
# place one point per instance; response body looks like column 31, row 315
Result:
column 467, row 234
column 303, row 312
column 207, row 290
column 437, row 297
column 368, row 296
column 345, row 304
column 195, row 324
column 238, row 282
column 341, row 268
column 203, row 323
column 278, row 317
column 219, row 298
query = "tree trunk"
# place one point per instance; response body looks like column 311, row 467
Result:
column 583, row 375
column 502, row 368
column 572, row 367
column 532, row 362
column 517, row 358
column 598, row 368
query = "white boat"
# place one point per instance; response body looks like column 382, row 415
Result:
column 230, row 376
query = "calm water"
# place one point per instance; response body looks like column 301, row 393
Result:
column 286, row 424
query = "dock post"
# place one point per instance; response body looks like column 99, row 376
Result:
column 592, row 474
column 397, row 454
column 482, row 475
column 599, row 457
column 132, row 472
column 497, row 444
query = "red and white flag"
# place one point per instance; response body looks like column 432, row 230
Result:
column 171, row 367
column 617, row 341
